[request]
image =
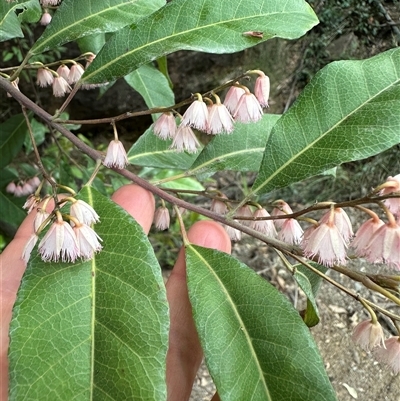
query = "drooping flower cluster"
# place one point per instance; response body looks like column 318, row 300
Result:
column 65, row 241
column 25, row 188
column 240, row 105
column 328, row 240
column 62, row 79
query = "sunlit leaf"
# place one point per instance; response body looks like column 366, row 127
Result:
column 240, row 151
column 203, row 25
column 153, row 86
column 150, row 151
column 255, row 344
column 94, row 330
column 349, row 111
column 75, row 19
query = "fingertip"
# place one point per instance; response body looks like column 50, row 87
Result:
column 138, row 202
column 210, row 234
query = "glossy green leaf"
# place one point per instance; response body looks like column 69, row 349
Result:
column 10, row 22
column 12, row 136
column 94, row 330
column 256, row 346
column 75, row 19
column 153, row 86
column 240, row 151
column 150, row 151
column 309, row 282
column 349, row 111
column 201, row 25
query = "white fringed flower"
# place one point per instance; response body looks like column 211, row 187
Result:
column 59, row 243
column 116, row 155
column 84, row 213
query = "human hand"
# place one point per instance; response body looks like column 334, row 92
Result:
column 184, row 354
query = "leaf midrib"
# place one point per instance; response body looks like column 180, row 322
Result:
column 137, row 49
column 223, row 158
column 237, row 314
column 78, row 22
column 278, row 171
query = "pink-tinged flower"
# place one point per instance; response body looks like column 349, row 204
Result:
column 390, row 355
column 26, row 253
column 46, row 18
column 40, row 218
column 232, row 97
column 10, row 188
column 116, row 155
column 368, row 335
column 34, row 181
column 31, row 202
column 261, row 89
column 219, row 206
column 27, row 189
column 75, row 73
column 341, row 221
column 244, row 211
column 60, row 87
column 281, row 208
column 248, row 109
column 326, row 242
column 165, row 126
column 59, row 243
column 83, row 212
column 185, row 140
column 233, row 233
column 384, row 246
column 364, row 235
column 18, row 191
column 290, row 232
column 391, row 185
column 87, row 240
column 44, row 77
column 63, row 71
column 196, row 116
column 219, row 120
column 162, row 218
column 266, row 227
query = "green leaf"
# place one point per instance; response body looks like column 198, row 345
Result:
column 185, row 183
column 94, row 330
column 153, row 87
column 75, row 19
column 11, row 215
column 10, row 22
column 201, row 25
column 240, row 151
column 92, row 43
column 349, row 111
column 151, row 151
column 12, row 137
column 256, row 345
column 309, row 282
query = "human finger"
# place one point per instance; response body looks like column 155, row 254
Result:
column 138, row 202
column 184, row 353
